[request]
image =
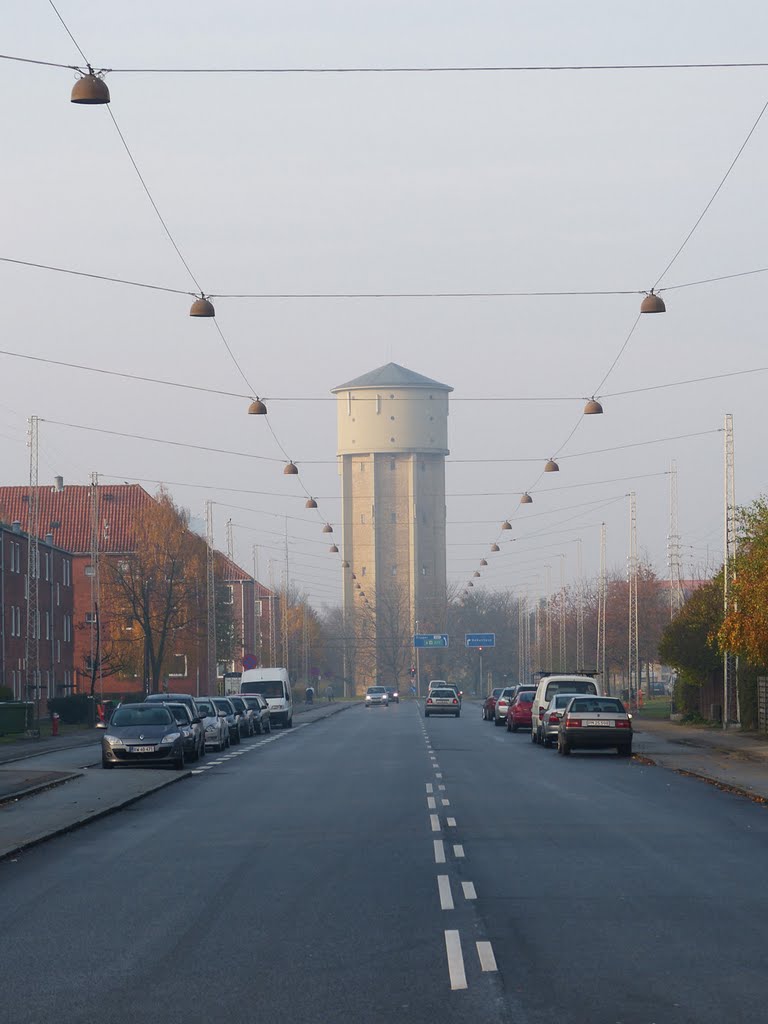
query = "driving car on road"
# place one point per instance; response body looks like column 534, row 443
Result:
column 258, row 705
column 443, row 700
column 489, row 704
column 142, row 734
column 595, row 723
column 214, row 722
column 393, row 695
column 519, row 711
column 376, row 696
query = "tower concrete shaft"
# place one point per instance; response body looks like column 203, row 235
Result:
column 392, row 443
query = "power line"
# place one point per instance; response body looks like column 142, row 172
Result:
column 66, row 29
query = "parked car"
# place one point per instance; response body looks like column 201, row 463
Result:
column 260, row 709
column 489, row 704
column 503, row 702
column 232, row 718
column 553, row 713
column 215, row 727
column 275, row 686
column 393, row 695
column 184, row 721
column 443, row 700
column 247, row 724
column 595, row 723
column 142, row 734
column 376, row 696
column 548, row 687
column 519, row 711
column 189, row 700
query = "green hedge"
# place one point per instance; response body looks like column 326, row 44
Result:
column 74, row 710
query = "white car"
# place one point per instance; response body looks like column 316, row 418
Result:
column 547, row 688
column 215, row 726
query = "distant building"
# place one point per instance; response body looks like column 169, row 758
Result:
column 392, row 443
column 52, row 633
column 251, row 611
column 85, row 524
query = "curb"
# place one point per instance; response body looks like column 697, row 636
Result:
column 80, row 822
column 50, row 750
column 41, row 787
column 724, row 787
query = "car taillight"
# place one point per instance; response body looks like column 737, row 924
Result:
column 571, row 722
column 429, row 700
column 622, row 723
column 554, row 719
column 455, row 701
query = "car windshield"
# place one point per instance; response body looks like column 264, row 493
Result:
column 251, row 702
column 526, row 697
column 561, row 700
column 266, row 687
column 443, row 693
column 495, row 693
column 141, row 714
column 376, row 689
column 599, row 705
column 224, row 705
column 180, row 713
column 238, row 702
column 205, row 708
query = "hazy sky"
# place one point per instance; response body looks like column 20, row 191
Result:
column 438, row 182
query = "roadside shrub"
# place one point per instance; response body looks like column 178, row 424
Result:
column 6, row 693
column 73, row 710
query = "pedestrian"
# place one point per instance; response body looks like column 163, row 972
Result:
column 329, row 693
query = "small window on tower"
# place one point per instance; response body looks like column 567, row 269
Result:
column 363, row 571
column 393, row 517
column 362, row 518
column 378, row 404
column 423, row 570
column 394, row 570
column 392, row 464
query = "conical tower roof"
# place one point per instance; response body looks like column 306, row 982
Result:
column 392, row 375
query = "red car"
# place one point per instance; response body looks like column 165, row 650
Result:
column 519, row 713
column 489, row 704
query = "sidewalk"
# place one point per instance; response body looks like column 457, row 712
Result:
column 732, row 759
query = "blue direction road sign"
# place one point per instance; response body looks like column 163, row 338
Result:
column 479, row 639
column 430, row 640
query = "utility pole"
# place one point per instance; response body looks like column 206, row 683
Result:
column 211, row 661
column 561, row 606
column 286, row 632
column 96, row 655
column 230, row 541
column 634, row 640
column 731, row 709
column 674, row 556
column 548, row 619
column 602, row 593
column 580, row 665
column 32, row 637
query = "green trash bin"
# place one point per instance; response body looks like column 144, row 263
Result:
column 16, row 716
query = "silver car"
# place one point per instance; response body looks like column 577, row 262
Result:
column 504, row 702
column 550, row 722
column 376, row 696
column 214, row 724
column 443, row 700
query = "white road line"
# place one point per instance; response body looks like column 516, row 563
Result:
column 451, row 822
column 439, row 851
column 434, row 821
column 446, row 803
column 431, row 804
column 455, row 960
column 441, row 788
column 469, row 890
column 438, row 775
column 197, row 771
column 444, row 888
column 217, row 762
column 435, row 765
column 429, row 787
column 487, row 959
column 458, row 850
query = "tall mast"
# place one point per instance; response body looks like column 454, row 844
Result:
column 634, row 642
column 731, row 709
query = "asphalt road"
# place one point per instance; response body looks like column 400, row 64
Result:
column 323, row 875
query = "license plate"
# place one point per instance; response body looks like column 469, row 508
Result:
column 143, row 750
column 600, row 723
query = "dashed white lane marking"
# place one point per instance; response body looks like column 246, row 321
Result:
column 217, row 762
column 455, row 960
column 434, row 821
column 458, row 850
column 451, row 822
column 197, row 771
column 429, row 788
column 438, row 775
column 431, row 804
column 487, row 959
column 469, row 890
column 441, row 788
column 436, row 765
column 446, row 803
column 444, row 888
column 439, row 851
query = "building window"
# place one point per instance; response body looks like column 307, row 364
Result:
column 392, row 464
column 363, row 571
column 179, row 667
column 58, row 594
column 47, row 565
column 378, row 404
column 90, row 570
column 424, row 570
column 257, row 608
column 362, row 467
column 394, row 571
column 229, row 596
column 393, row 517
column 362, row 518
column 90, row 618
column 58, row 650
column 47, row 625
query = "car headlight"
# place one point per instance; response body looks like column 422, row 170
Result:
column 367, row 696
column 113, row 741
column 171, row 737
column 211, row 730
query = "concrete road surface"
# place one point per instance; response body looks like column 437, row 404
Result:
column 377, row 867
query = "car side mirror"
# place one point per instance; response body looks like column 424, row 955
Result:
column 100, row 725
column 222, row 714
column 196, row 721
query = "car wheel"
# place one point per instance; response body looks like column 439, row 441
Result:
column 269, row 726
column 546, row 741
column 564, row 747
column 483, row 714
column 426, row 714
column 625, row 750
column 236, row 738
column 178, row 764
column 533, row 737
column 509, row 727
column 458, row 713
column 195, row 754
column 202, row 747
column 515, row 727
column 496, row 720
column 107, row 764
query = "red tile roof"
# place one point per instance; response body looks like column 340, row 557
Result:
column 67, row 514
column 233, row 573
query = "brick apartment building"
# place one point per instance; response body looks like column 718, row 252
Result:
column 53, row 630
column 76, row 519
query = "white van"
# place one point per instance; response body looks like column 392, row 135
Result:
column 548, row 687
column 274, row 685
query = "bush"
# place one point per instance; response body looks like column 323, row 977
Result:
column 6, row 693
column 73, row 710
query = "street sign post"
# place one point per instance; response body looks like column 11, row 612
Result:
column 479, row 639
column 430, row 640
